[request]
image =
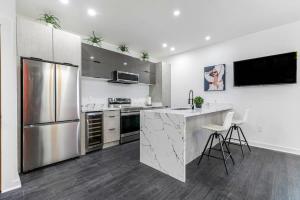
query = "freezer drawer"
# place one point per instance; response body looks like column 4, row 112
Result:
column 38, row 92
column 47, row 144
column 67, row 93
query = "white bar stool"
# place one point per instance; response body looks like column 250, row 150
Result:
column 216, row 134
column 236, row 126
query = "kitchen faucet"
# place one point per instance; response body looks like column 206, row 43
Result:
column 191, row 100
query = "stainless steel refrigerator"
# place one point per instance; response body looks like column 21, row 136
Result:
column 50, row 113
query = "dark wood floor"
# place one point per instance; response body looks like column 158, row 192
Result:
column 117, row 174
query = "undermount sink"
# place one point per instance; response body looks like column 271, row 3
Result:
column 181, row 108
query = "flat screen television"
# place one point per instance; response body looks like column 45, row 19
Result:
column 276, row 69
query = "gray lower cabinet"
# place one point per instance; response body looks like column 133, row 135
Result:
column 66, row 47
column 99, row 63
column 34, row 39
column 111, row 128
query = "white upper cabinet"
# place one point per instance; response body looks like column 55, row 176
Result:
column 66, row 47
column 34, row 39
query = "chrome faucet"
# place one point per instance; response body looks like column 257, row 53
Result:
column 191, row 99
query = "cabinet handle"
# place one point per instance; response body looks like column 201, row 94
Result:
column 34, row 58
column 112, row 129
column 96, row 61
column 111, row 116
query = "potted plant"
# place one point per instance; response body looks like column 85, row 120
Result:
column 145, row 56
column 123, row 48
column 198, row 101
column 94, row 40
column 51, row 20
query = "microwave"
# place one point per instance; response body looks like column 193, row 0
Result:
column 124, row 77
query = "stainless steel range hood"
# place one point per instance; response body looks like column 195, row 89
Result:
column 124, row 77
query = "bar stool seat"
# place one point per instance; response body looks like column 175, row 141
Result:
column 237, row 121
column 221, row 140
column 214, row 127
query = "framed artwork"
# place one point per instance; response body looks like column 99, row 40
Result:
column 214, row 78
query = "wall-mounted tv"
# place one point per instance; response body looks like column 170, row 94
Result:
column 276, row 69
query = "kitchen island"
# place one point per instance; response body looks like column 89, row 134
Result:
column 172, row 138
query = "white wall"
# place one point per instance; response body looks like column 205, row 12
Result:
column 95, row 90
column 9, row 169
column 274, row 118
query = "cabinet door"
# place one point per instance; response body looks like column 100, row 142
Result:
column 96, row 69
column 152, row 74
column 98, row 62
column 144, row 71
column 34, row 40
column 111, row 126
column 111, row 136
column 66, row 47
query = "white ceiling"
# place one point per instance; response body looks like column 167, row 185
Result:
column 146, row 24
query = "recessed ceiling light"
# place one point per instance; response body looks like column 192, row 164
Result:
column 91, row 12
column 164, row 45
column 207, row 38
column 172, row 49
column 125, row 64
column 64, row 1
column 176, row 13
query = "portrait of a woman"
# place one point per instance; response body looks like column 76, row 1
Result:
column 214, row 78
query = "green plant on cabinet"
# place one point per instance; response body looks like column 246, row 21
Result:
column 50, row 20
column 145, row 56
column 95, row 40
column 123, row 48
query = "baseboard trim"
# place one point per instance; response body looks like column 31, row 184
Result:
column 274, row 147
column 15, row 185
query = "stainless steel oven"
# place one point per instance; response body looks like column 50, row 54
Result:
column 130, row 126
column 130, row 119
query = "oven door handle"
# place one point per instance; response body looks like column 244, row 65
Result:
column 130, row 113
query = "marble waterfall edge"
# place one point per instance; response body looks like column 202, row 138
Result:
column 162, row 143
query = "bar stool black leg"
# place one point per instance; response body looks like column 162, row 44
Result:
column 245, row 138
column 223, row 155
column 230, row 136
column 211, row 143
column 228, row 132
column 228, row 150
column 240, row 142
column 205, row 148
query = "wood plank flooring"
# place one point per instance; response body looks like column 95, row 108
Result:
column 117, row 174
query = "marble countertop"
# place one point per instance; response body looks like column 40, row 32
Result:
column 96, row 109
column 206, row 109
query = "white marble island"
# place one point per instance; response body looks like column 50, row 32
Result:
column 170, row 139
